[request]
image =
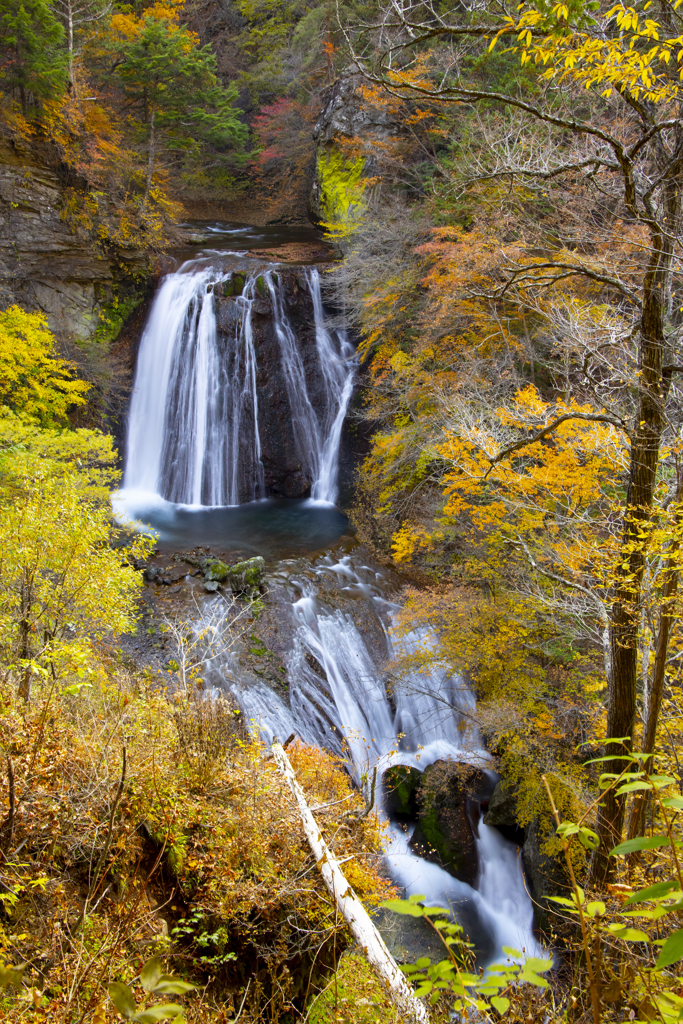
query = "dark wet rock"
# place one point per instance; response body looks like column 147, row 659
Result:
column 502, row 813
column 400, row 784
column 286, row 469
column 211, row 586
column 449, row 798
column 546, row 874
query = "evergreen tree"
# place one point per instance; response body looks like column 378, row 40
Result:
column 31, row 59
column 173, row 82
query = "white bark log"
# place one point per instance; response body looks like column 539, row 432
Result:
column 351, row 908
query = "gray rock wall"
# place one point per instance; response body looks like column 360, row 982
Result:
column 46, row 266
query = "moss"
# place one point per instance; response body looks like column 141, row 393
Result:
column 354, row 996
column 243, row 577
column 261, row 286
column 401, row 783
column 113, row 316
column 342, row 202
column 234, row 285
column 431, row 831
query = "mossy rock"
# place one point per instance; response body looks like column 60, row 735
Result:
column 234, row 286
column 243, row 578
column 261, row 286
column 400, row 784
column 447, row 821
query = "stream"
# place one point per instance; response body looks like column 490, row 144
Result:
column 238, row 372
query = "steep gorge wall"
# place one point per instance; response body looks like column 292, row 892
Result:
column 47, row 265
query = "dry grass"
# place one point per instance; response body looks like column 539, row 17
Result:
column 139, row 823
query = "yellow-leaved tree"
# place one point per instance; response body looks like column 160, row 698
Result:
column 33, row 379
column 590, row 153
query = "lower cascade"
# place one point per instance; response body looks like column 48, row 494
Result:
column 200, row 408
column 338, row 700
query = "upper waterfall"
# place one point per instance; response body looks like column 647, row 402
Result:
column 204, row 427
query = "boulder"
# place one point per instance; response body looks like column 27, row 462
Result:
column 449, row 799
column 243, row 578
column 400, row 784
column 547, row 875
column 502, row 813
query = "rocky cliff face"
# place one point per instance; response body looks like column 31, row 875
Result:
column 44, row 264
column 346, row 116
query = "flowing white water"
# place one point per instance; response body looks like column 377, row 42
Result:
column 336, row 694
column 193, row 431
column 336, row 354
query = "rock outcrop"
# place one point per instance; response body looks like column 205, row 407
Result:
column 449, row 799
column 44, row 264
column 400, row 784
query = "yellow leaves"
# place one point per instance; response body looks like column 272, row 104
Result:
column 410, row 540
column 32, row 379
column 608, row 58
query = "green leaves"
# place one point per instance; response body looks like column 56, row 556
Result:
column 412, row 907
column 152, row 981
column 150, row 974
column 672, row 950
column 11, row 976
column 642, row 843
column 653, row 892
column 627, row 934
column 173, row 986
column 122, row 998
column 586, row 836
column 155, row 1013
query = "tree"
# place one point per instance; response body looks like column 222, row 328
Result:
column 172, row 81
column 30, row 57
column 76, row 14
column 33, row 379
column 619, row 156
column 63, row 586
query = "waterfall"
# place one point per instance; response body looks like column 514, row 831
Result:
column 336, row 359
column 337, row 695
column 193, row 430
column 193, row 433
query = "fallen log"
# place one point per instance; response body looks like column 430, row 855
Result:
column 350, row 907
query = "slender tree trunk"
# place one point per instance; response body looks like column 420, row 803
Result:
column 152, row 157
column 25, row 642
column 669, row 592
column 646, row 438
column 71, row 45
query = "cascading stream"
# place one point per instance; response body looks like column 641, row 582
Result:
column 193, row 432
column 336, row 694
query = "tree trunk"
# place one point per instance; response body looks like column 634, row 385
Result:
column 668, row 597
column 151, row 158
column 350, row 907
column 71, row 44
column 646, row 438
column 25, row 641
